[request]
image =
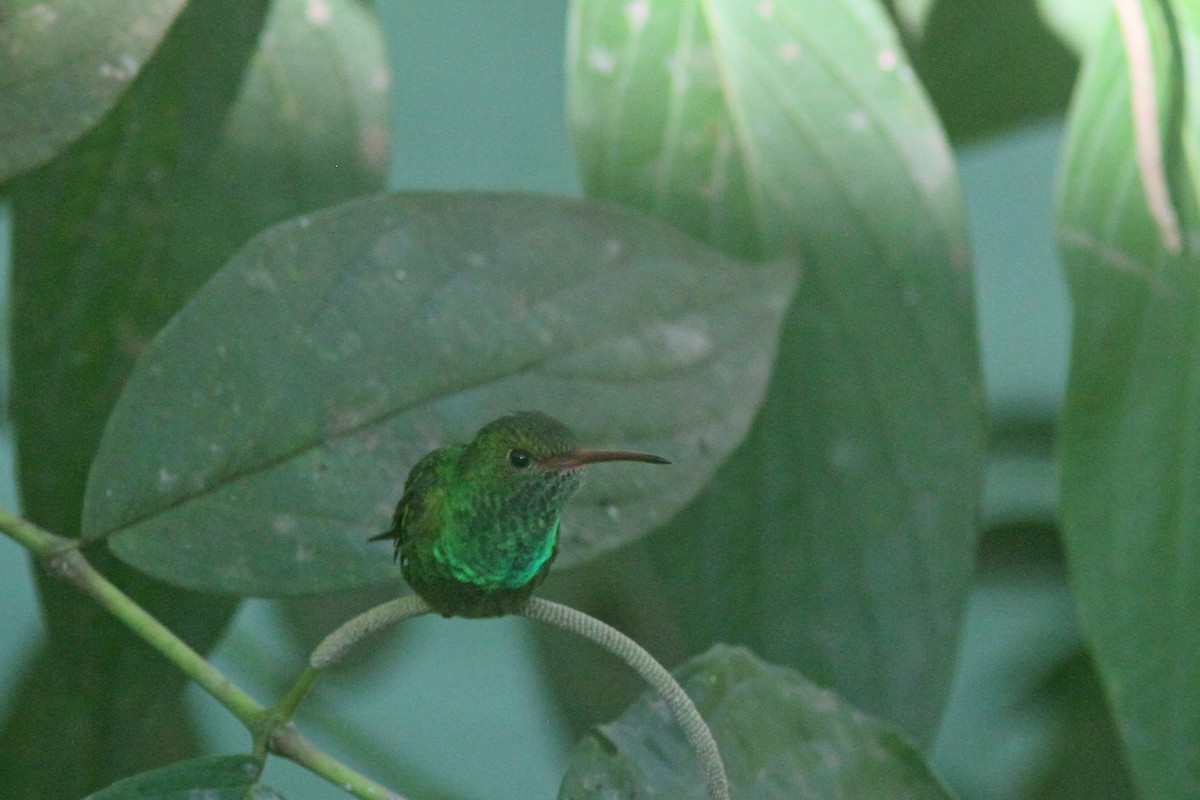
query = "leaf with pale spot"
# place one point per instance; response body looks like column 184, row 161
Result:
column 267, row 431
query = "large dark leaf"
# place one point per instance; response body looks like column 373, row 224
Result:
column 89, row 278
column 992, row 66
column 780, row 737
column 1131, row 425
column 839, row 538
column 110, row 238
column 64, row 64
column 212, row 778
column 267, row 431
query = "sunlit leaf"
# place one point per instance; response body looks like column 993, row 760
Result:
column 840, row 537
column 1079, row 23
column 1131, row 425
column 267, row 431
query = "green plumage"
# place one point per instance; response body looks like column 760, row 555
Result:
column 477, row 527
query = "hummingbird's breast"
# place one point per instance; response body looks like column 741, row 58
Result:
column 507, row 537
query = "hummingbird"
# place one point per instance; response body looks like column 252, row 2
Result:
column 477, row 526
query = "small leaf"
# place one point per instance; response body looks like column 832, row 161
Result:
column 64, row 64
column 268, row 430
column 1131, row 424
column 779, row 736
column 211, row 777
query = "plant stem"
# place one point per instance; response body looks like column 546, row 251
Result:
column 629, row 651
column 286, row 708
column 40, row 542
column 288, row 743
column 268, row 726
column 72, row 566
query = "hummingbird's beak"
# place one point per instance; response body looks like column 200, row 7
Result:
column 579, row 458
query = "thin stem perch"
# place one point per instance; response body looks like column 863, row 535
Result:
column 629, row 651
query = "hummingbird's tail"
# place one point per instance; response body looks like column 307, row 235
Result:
column 394, row 533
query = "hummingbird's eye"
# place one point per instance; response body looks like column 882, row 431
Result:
column 519, row 458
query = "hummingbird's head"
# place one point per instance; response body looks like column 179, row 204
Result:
column 529, row 441
column 524, row 442
column 527, row 465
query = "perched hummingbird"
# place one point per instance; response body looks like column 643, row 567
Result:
column 477, row 526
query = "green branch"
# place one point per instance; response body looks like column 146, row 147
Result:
column 269, row 727
column 288, row 743
column 64, row 561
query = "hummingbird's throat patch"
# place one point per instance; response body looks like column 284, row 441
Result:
column 490, row 570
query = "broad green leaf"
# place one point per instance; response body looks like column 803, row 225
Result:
column 780, row 738
column 211, row 778
column 110, row 239
column 839, row 538
column 64, row 64
column 1131, row 424
column 266, row 432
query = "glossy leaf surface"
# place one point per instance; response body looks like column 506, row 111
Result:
column 840, row 537
column 266, row 433
column 780, row 738
column 1131, row 425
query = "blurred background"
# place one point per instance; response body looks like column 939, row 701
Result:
column 461, row 708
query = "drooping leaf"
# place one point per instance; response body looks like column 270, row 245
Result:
column 267, row 431
column 780, row 738
column 211, row 777
column 839, row 538
column 64, row 64
column 1131, row 424
column 110, row 238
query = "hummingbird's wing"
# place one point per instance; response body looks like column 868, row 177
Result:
column 420, row 508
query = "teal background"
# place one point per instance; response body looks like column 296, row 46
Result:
column 478, row 103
